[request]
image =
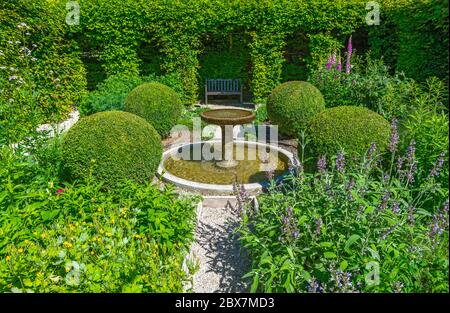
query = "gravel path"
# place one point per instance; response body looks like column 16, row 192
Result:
column 221, row 259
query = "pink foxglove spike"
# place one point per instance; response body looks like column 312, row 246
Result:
column 348, row 64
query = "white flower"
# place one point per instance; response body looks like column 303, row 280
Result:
column 22, row 25
column 14, row 77
column 2, row 67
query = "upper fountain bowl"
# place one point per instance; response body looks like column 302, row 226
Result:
column 228, row 116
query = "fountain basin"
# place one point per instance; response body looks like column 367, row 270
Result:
column 223, row 117
column 211, row 178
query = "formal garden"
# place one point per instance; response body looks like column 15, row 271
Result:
column 96, row 94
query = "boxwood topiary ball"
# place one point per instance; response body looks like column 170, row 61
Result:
column 156, row 103
column 348, row 128
column 291, row 105
column 113, row 145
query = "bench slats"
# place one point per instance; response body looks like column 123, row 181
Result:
column 223, row 87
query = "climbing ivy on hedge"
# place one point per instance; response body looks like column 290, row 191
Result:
column 41, row 73
column 413, row 37
column 179, row 30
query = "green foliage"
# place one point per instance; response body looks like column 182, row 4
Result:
column 291, row 105
column 112, row 146
column 111, row 93
column 41, row 75
column 224, row 61
column 369, row 84
column 261, row 115
column 348, row 128
column 157, row 104
column 413, row 37
column 181, row 31
column 81, row 238
column 349, row 229
column 427, row 125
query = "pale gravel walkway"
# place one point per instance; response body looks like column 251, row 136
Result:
column 222, row 261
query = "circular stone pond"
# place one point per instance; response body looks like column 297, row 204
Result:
column 188, row 169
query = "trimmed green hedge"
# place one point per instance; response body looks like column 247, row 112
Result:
column 113, row 145
column 156, row 103
column 291, row 105
column 348, row 128
column 413, row 37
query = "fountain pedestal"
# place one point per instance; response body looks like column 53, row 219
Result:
column 227, row 118
column 227, row 149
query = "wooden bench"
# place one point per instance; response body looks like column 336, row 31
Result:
column 223, row 87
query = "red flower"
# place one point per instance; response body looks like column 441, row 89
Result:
column 59, row 191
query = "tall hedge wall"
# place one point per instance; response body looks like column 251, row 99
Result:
column 413, row 37
column 180, row 30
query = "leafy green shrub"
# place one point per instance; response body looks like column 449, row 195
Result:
column 261, row 115
column 112, row 146
column 111, row 93
column 292, row 104
column 369, row 84
column 156, row 103
column 427, row 124
column 408, row 27
column 352, row 129
column 37, row 85
column 369, row 228
column 132, row 239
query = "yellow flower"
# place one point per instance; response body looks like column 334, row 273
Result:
column 8, row 258
column 67, row 244
column 43, row 235
column 50, row 184
column 112, row 221
column 20, row 250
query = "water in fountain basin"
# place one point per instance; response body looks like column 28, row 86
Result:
column 249, row 169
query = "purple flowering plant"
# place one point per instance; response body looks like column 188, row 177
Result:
column 318, row 231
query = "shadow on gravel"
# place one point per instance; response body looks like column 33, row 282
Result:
column 225, row 256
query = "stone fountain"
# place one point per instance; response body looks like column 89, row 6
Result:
column 224, row 118
column 236, row 161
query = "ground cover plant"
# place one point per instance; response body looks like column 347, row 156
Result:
column 79, row 237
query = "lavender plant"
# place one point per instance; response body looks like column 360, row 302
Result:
column 327, row 231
